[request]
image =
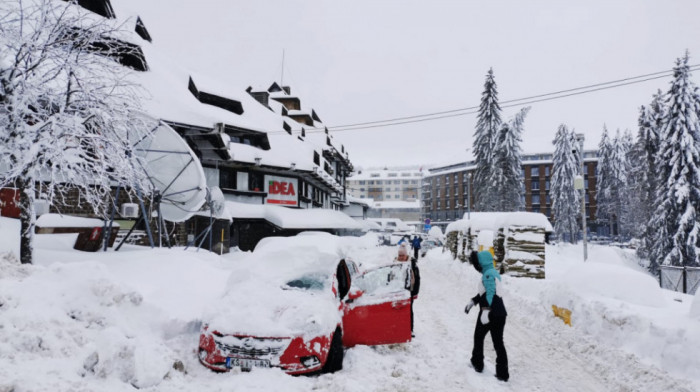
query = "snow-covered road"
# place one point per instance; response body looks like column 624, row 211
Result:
column 544, row 354
column 141, row 310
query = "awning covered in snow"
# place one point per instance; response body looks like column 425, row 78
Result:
column 293, row 218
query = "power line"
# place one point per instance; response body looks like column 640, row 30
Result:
column 504, row 104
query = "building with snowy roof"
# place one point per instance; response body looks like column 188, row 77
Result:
column 448, row 190
column 254, row 146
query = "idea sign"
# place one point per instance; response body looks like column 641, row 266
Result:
column 282, row 191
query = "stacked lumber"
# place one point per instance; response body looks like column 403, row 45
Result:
column 524, row 253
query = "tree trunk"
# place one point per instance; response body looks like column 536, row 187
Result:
column 27, row 220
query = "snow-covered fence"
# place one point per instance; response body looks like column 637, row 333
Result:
column 681, row 279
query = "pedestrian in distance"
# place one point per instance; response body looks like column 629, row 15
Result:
column 414, row 282
column 492, row 315
column 415, row 244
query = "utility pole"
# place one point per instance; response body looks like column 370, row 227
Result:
column 579, row 138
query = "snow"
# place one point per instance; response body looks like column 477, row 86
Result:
column 695, row 309
column 495, row 220
column 293, row 218
column 112, row 321
column 57, row 220
column 396, row 204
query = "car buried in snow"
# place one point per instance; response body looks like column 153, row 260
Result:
column 295, row 304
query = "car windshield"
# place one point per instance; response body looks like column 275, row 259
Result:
column 308, row 282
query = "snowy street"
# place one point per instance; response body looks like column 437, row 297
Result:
column 110, row 321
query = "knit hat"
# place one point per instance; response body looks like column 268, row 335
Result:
column 402, row 250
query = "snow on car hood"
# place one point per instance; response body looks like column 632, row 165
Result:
column 283, row 289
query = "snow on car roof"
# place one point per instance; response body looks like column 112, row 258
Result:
column 260, row 302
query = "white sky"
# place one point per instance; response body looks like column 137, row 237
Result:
column 370, row 60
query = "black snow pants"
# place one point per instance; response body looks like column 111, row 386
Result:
column 495, row 326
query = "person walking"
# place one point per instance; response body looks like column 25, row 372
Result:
column 414, row 283
column 415, row 244
column 492, row 315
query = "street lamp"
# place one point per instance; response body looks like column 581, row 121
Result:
column 579, row 183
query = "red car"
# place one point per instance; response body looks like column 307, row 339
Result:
column 295, row 305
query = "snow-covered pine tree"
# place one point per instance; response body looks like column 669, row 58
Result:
column 605, row 209
column 650, row 123
column 487, row 126
column 507, row 165
column 66, row 108
column 677, row 216
column 565, row 199
column 619, row 169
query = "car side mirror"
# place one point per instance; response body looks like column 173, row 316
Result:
column 354, row 294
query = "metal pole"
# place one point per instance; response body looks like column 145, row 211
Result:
column 469, row 196
column 580, row 138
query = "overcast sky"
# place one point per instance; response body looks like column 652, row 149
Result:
column 367, row 60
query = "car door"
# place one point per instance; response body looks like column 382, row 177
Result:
column 378, row 307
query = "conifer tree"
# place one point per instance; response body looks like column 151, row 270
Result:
column 604, row 179
column 677, row 216
column 507, row 165
column 565, row 199
column 485, row 136
column 650, row 122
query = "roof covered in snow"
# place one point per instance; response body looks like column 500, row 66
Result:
column 496, row 220
column 293, row 218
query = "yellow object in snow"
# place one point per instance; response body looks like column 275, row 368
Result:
column 493, row 253
column 562, row 313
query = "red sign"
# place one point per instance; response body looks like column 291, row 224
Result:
column 281, row 191
column 9, row 202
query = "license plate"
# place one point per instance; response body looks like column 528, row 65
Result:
column 245, row 363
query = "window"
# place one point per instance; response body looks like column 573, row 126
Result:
column 535, row 199
column 362, row 182
column 534, row 171
column 586, row 184
column 535, row 208
column 522, row 173
column 456, row 191
column 255, row 182
column 447, row 203
column 587, row 199
column 456, row 178
column 549, row 199
column 447, row 178
column 405, row 174
column 388, row 196
column 371, row 182
column 405, row 182
column 546, row 185
column 391, row 175
column 372, row 175
column 362, row 189
column 227, row 179
column 397, row 181
column 437, row 181
column 438, row 205
column 414, row 182
column 535, row 186
column 546, row 171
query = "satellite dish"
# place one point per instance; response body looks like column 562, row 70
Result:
column 218, row 202
column 173, row 169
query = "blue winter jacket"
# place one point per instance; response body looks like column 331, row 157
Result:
column 416, row 242
column 489, row 274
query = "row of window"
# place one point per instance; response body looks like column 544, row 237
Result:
column 535, row 200
column 387, row 182
column 397, row 174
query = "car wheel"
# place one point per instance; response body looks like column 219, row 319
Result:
column 334, row 362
